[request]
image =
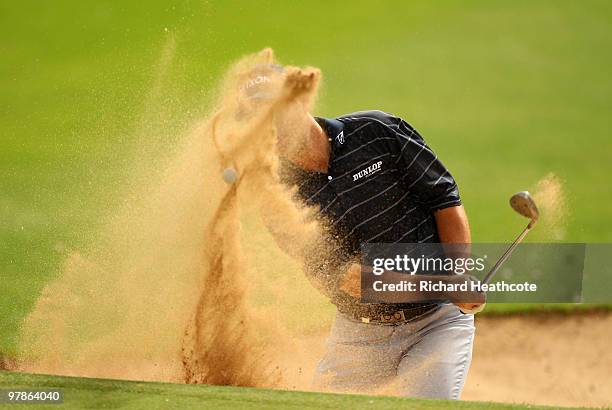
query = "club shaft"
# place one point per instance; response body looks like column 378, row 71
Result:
column 506, row 255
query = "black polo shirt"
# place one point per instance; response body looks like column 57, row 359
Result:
column 382, row 186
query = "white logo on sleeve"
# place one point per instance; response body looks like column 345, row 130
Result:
column 340, row 138
column 366, row 172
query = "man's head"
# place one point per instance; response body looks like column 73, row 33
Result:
column 262, row 82
column 258, row 87
column 291, row 90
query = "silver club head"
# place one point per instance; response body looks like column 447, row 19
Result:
column 523, row 203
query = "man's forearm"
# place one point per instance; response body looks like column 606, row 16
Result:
column 453, row 227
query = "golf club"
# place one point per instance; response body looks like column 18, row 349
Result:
column 523, row 203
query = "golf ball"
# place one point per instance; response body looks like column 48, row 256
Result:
column 230, row 175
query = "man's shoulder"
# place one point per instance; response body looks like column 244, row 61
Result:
column 376, row 116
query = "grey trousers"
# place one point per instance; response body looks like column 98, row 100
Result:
column 426, row 357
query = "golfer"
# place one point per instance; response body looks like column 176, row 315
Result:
column 375, row 180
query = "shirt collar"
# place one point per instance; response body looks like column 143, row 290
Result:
column 332, row 127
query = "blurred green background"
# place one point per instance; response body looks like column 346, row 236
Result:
column 505, row 92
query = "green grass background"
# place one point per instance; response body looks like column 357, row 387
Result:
column 505, row 92
column 110, row 394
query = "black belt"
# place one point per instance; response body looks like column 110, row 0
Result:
column 399, row 315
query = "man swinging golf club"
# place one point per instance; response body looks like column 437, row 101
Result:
column 374, row 179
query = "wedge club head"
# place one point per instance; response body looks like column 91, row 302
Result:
column 523, row 203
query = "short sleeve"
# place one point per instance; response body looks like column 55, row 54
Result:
column 423, row 172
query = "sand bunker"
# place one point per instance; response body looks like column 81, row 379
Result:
column 546, row 358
